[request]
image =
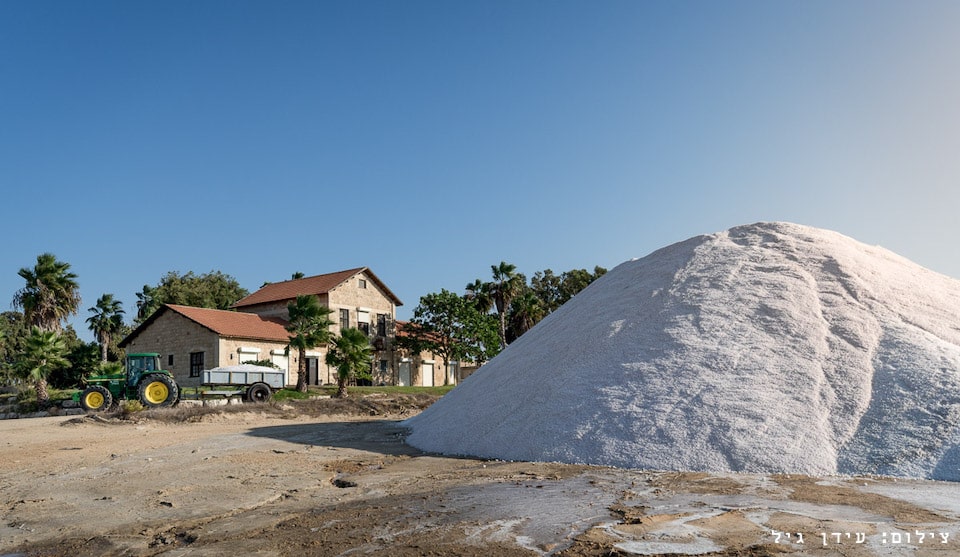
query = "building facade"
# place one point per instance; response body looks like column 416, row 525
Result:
column 192, row 339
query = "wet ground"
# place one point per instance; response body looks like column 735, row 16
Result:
column 301, row 482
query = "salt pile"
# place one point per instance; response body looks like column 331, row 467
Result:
column 767, row 348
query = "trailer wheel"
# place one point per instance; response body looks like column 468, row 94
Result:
column 259, row 392
column 158, row 390
column 95, row 399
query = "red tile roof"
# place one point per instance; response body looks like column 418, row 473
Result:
column 233, row 323
column 409, row 329
column 320, row 284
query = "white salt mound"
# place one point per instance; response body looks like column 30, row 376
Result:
column 767, row 348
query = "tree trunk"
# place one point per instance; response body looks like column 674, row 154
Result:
column 104, row 344
column 302, row 371
column 43, row 397
column 503, row 330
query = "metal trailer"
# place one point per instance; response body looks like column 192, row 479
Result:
column 254, row 383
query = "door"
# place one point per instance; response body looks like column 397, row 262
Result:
column 426, row 373
column 404, row 379
column 313, row 370
column 281, row 360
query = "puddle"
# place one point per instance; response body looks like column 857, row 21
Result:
column 536, row 514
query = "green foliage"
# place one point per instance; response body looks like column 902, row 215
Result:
column 292, row 394
column 83, row 358
column 526, row 310
column 132, row 406
column 13, row 339
column 44, row 352
column 309, row 326
column 214, row 290
column 106, row 322
column 390, row 390
column 109, row 368
column 554, row 290
column 506, row 285
column 261, row 363
column 450, row 326
column 352, row 356
column 520, row 306
column 51, row 293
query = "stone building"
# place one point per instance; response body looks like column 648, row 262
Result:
column 192, row 339
column 426, row 369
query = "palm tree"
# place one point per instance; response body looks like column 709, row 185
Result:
column 506, row 284
column 309, row 326
column 50, row 295
column 146, row 302
column 478, row 292
column 106, row 321
column 351, row 355
column 44, row 352
column 526, row 311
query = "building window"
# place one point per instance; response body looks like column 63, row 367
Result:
column 344, row 319
column 362, row 283
column 381, row 325
column 365, row 327
column 196, row 364
column 170, row 360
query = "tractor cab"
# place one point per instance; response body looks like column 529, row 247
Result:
column 138, row 364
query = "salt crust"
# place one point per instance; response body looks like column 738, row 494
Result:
column 767, row 348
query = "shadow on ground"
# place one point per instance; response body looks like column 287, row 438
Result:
column 379, row 436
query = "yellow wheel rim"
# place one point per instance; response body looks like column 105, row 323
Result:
column 156, row 392
column 94, row 400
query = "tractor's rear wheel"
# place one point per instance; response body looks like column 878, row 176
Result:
column 158, row 390
column 259, row 392
column 95, row 399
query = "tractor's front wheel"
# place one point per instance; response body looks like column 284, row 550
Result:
column 158, row 390
column 95, row 399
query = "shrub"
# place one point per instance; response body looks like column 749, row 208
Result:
column 128, row 407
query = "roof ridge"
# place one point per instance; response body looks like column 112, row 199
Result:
column 317, row 285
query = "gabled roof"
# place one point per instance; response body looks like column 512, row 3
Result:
column 319, row 284
column 225, row 323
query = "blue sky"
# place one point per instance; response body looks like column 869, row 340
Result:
column 429, row 140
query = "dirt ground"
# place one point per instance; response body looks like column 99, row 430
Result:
column 333, row 478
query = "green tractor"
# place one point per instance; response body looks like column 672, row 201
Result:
column 143, row 381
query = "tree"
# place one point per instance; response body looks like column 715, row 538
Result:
column 526, row 310
column 44, row 352
column 575, row 280
column 309, row 326
column 351, row 355
column 83, row 358
column 50, row 295
column 106, row 321
column 441, row 324
column 146, row 302
column 478, row 293
column 506, row 284
column 14, row 332
column 451, row 326
column 213, row 290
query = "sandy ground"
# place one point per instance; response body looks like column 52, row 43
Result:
column 260, row 483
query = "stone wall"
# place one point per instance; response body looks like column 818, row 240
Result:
column 234, row 351
column 175, row 337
